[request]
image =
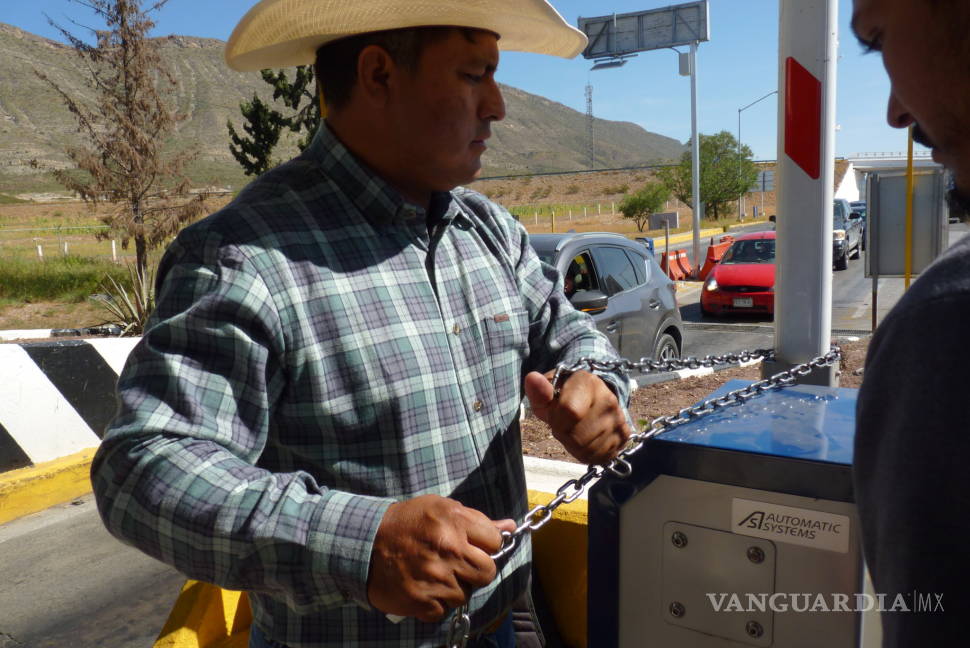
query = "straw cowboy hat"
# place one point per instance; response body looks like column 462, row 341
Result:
column 281, row 33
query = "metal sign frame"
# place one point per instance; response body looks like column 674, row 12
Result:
column 641, row 31
column 886, row 206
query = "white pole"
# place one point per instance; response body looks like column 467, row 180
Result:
column 612, row 209
column 804, row 192
column 698, row 210
column 599, row 210
column 40, row 252
column 584, row 212
column 114, row 251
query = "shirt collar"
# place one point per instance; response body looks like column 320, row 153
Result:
column 378, row 201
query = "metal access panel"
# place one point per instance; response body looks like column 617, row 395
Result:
column 886, row 226
column 641, row 31
column 737, row 529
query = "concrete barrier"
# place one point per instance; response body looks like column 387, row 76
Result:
column 56, row 398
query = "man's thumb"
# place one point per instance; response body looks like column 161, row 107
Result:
column 538, row 390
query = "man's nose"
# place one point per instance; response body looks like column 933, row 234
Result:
column 493, row 104
column 897, row 114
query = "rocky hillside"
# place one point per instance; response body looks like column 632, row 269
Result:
column 538, row 135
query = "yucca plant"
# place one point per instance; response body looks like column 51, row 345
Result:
column 130, row 302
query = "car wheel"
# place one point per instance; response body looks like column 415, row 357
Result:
column 842, row 262
column 858, row 251
column 666, row 348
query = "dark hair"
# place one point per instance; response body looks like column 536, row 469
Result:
column 336, row 63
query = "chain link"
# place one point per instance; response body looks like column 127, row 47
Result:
column 620, row 466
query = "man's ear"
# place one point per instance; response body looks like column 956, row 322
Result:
column 375, row 69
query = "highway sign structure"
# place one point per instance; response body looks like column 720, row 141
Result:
column 614, row 38
column 641, row 31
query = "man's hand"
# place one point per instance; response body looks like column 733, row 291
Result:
column 586, row 418
column 429, row 554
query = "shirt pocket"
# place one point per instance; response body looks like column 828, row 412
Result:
column 506, row 341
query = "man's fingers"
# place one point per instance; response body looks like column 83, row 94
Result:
column 575, row 400
column 485, row 535
column 477, row 570
column 539, row 391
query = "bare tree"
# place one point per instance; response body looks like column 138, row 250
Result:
column 123, row 162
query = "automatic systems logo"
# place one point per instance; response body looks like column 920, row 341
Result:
column 790, row 525
column 811, row 528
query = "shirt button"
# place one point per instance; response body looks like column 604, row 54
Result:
column 477, row 406
column 456, row 330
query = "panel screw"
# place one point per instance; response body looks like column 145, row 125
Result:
column 679, row 540
column 677, row 609
column 754, row 629
column 756, row 555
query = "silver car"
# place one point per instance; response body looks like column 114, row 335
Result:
column 619, row 283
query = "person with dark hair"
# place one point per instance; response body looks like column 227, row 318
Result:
column 912, row 443
column 323, row 410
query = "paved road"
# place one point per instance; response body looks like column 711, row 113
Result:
column 851, row 311
column 66, row 583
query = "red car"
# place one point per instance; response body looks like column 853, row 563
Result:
column 743, row 281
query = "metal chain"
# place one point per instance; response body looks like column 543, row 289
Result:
column 573, row 489
column 619, row 466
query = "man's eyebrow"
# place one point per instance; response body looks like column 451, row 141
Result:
column 490, row 64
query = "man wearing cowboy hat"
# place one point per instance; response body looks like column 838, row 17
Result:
column 324, row 408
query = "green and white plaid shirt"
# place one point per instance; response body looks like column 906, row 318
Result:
column 316, row 355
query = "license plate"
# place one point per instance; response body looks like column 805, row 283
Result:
column 743, row 302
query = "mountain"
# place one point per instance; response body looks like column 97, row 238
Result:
column 537, row 135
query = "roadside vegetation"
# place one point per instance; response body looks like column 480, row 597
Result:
column 70, row 279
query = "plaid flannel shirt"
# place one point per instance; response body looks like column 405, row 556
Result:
column 316, row 355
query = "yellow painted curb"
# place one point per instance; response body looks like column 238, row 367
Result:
column 559, row 554
column 746, row 223
column 658, row 241
column 29, row 490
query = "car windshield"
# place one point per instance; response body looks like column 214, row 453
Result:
column 750, row 251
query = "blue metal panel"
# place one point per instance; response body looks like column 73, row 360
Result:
column 797, row 440
column 799, row 422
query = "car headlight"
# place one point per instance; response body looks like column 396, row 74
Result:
column 838, row 235
column 711, row 284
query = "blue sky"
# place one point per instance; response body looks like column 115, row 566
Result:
column 737, row 66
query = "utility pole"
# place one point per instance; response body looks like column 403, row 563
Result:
column 589, row 125
column 698, row 210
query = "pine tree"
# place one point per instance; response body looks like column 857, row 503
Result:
column 264, row 125
column 122, row 161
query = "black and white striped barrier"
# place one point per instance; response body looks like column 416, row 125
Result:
column 56, row 397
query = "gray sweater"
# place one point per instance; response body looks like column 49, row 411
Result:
column 912, row 456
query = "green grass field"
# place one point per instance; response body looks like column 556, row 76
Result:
column 69, row 278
